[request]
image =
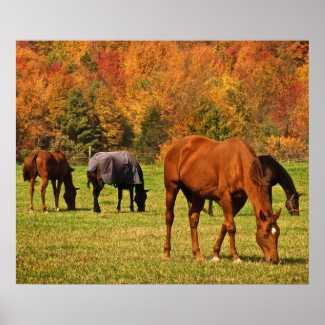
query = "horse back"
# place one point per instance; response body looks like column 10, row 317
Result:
column 50, row 165
column 207, row 167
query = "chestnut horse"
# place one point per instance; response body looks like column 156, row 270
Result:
column 219, row 170
column 50, row 166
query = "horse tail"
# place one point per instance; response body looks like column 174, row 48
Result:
column 30, row 167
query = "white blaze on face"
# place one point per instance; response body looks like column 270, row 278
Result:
column 273, row 231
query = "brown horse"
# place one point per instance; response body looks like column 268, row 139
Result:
column 219, row 170
column 50, row 166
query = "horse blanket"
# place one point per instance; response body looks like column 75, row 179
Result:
column 116, row 167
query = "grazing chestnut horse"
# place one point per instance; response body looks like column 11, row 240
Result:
column 50, row 166
column 219, row 170
column 274, row 173
column 121, row 169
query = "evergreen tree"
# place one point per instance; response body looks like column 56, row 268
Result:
column 154, row 132
column 210, row 123
column 76, row 122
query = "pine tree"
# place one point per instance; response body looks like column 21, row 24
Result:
column 76, row 123
column 154, row 132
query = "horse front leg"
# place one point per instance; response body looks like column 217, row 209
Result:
column 57, row 194
column 43, row 191
column 218, row 244
column 235, row 207
column 120, row 195
column 131, row 198
column 31, row 193
column 210, row 212
column 194, row 217
column 97, row 187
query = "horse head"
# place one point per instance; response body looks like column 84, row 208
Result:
column 267, row 235
column 70, row 197
column 140, row 200
column 293, row 204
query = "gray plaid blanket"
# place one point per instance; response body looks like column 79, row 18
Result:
column 116, row 167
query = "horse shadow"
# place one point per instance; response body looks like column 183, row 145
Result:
column 256, row 259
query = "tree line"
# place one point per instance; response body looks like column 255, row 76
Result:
column 142, row 96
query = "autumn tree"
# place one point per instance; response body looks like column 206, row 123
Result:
column 115, row 128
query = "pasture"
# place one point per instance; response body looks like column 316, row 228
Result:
column 84, row 247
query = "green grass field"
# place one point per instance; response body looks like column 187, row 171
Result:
column 113, row 248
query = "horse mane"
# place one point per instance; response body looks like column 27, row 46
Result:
column 287, row 177
column 256, row 175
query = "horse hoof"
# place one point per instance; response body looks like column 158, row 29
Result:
column 57, row 209
column 45, row 211
column 237, row 261
column 215, row 259
column 31, row 211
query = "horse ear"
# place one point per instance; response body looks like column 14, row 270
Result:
column 71, row 169
column 77, row 188
column 299, row 194
column 262, row 216
column 276, row 216
column 146, row 191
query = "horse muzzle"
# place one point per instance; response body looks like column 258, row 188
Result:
column 275, row 260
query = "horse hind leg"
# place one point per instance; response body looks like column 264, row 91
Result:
column 171, row 194
column 194, row 217
column 31, row 193
column 43, row 191
column 131, row 198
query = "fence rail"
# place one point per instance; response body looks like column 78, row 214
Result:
column 143, row 158
column 82, row 159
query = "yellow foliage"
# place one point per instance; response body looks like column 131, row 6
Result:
column 289, row 148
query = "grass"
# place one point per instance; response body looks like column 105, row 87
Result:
column 113, row 248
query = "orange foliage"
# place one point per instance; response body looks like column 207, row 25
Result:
column 252, row 84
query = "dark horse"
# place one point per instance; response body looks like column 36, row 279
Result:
column 50, row 166
column 120, row 169
column 274, row 173
column 219, row 170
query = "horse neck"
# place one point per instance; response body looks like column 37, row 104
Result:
column 68, row 181
column 139, row 188
column 286, row 183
